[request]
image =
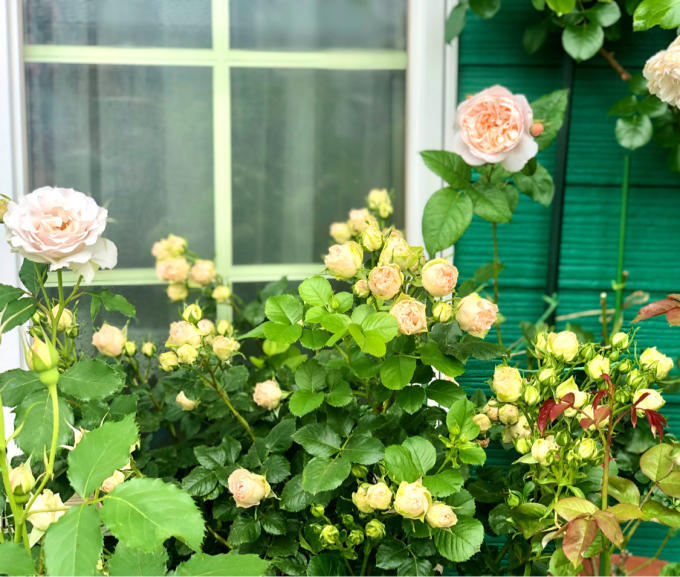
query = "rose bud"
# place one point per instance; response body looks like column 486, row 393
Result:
column 187, row 354
column 491, row 409
column 546, row 375
column 508, row 414
column 340, row 232
column 205, row 327
column 564, row 345
column 620, row 340
column 379, row 496
column 507, row 383
column 173, row 269
column 221, row 293
column 192, row 313
column 42, row 357
column 65, row 319
column 344, row 260
column 224, row 327
column 540, row 346
column 570, row 387
column 130, row 348
column 440, row 515
column 521, row 428
column 169, row 247
column 248, row 488
column 442, row 312
column 476, row 315
column 531, row 396
column 586, row 449
column 360, row 499
column 330, row 535
column 536, row 129
column 482, row 421
column 225, row 347
column 652, row 360
column 372, row 238
column 385, row 281
column 411, row 316
column 361, row 288
column 183, row 333
column 439, row 277
column 379, row 200
column 109, row 340
column 21, row 479
column 185, row 402
column 317, row 510
column 543, row 449
column 355, row 537
column 374, row 529
column 267, row 394
column 203, row 272
column 597, row 366
column 4, row 205
column 397, row 251
column 360, row 219
column 168, row 361
column 412, row 500
column 177, row 291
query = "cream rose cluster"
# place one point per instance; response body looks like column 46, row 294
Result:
column 63, row 228
column 494, row 126
column 662, row 72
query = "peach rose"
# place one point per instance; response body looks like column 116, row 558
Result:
column 203, row 272
column 109, row 340
column 476, row 315
column 60, row 227
column 248, row 488
column 267, row 394
column 385, row 281
column 344, row 260
column 396, row 250
column 361, row 289
column 493, row 126
column 439, row 277
column 173, row 269
column 410, row 315
column 183, row 333
column 360, row 219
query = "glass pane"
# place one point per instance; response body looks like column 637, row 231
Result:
column 310, row 24
column 182, row 23
column 138, row 139
column 307, row 146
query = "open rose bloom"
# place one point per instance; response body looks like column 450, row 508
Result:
column 61, row 227
column 494, row 127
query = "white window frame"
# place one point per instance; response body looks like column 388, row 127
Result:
column 431, row 70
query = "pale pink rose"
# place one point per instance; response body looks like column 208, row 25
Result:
column 109, row 340
column 344, row 260
column 183, row 333
column 410, row 315
column 60, row 227
column 267, row 394
column 203, row 272
column 494, row 126
column 439, row 277
column 248, row 488
column 173, row 269
column 360, row 219
column 385, row 281
column 476, row 315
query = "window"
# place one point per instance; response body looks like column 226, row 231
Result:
column 245, row 125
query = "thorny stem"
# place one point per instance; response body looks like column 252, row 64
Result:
column 620, row 70
column 496, row 270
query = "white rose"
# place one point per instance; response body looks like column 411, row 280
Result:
column 507, row 383
column 620, row 340
column 653, row 401
column 248, row 488
column 48, row 503
column 60, row 227
column 440, row 515
column 564, row 345
column 168, row 361
column 360, row 498
column 65, row 320
column 661, row 72
column 267, row 394
column 187, row 354
column 542, row 449
column 379, row 496
column 185, row 402
column 521, row 428
column 482, row 421
column 412, row 500
column 508, row 414
column 586, row 448
column 652, row 359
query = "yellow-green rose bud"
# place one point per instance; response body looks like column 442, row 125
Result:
column 148, row 349
column 540, row 345
column 4, row 205
column 412, row 500
column 221, row 293
column 375, row 529
column 522, row 445
column 546, row 375
column 187, row 354
column 225, row 347
column 130, row 348
column 185, row 402
column 597, row 366
column 177, row 291
column 192, row 313
column 65, row 319
column 567, row 387
column 168, row 361
column 330, row 535
column 21, row 479
column 620, row 340
column 224, row 327
column 507, row 383
column 355, row 537
column 440, row 515
column 42, row 356
column 317, row 510
column 531, row 395
column 372, row 238
column 379, row 200
column 359, row 471
column 636, row 379
column 586, row 448
column 347, row 520
column 543, row 449
column 482, row 421
column 508, row 414
column 340, row 232
column 361, row 289
column 564, row 345
column 360, row 499
column 442, row 312
column 652, row 360
column 379, row 496
column 625, row 366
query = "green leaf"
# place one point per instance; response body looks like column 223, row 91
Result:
column 638, row 84
column 302, row 402
column 364, row 449
column 446, row 216
column 655, row 511
column 143, row 513
column 400, row 464
column 200, row 482
column 284, row 334
column 624, row 107
column 33, row 276
column 326, row 564
column 340, row 396
column 14, row 560
column 572, row 507
column 9, row 293
column 116, row 303
column 126, row 561
column 634, row 132
column 652, row 107
column 223, row 564
column 211, row 457
column 276, row 468
column 325, row 474
column 535, row 36
column 472, row 454
column 430, row 354
column 560, row 565
column 280, row 438
column 455, row 22
column 538, row 187
column 656, row 463
column 318, row 440
column 274, row 522
column 444, row 392
column 490, row 202
column 461, row 541
column 100, row 453
column 604, row 13
column 74, row 543
column 414, row 566
column 314, row 339
column 671, row 484
column 294, row 498
column 283, row 309
column 391, row 554
column 244, row 530
column 624, row 490
column 91, row 379
column 411, row 398
column 663, row 13
column 17, row 384
column 17, row 313
column 397, row 371
column 447, row 165
column 310, row 376
column 384, row 325
column 445, row 483
column 550, row 110
column 578, row 537
column 582, row 41
column 423, row 453
column 335, row 323
column 35, row 413
column 316, row 291
column 562, row 6
column 485, row 8
column 459, row 420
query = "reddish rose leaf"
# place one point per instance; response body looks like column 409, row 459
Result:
column 633, row 416
column 601, row 413
column 673, row 317
column 656, row 422
column 675, row 297
column 557, row 410
column 585, row 422
column 609, row 525
column 544, row 415
column 578, row 537
column 643, row 396
column 598, row 397
column 657, row 308
column 605, row 376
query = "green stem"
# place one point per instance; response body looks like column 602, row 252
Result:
column 4, row 469
column 671, row 533
column 605, row 330
column 620, row 280
column 606, row 555
column 496, row 271
column 367, row 554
